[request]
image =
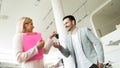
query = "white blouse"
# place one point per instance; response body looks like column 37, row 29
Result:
column 21, row 56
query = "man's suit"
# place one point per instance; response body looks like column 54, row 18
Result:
column 88, row 41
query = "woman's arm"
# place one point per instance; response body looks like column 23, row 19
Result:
column 20, row 55
column 48, row 45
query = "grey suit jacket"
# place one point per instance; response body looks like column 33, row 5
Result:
column 89, row 42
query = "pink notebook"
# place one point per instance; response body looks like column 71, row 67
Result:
column 29, row 41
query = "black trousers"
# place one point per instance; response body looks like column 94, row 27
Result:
column 94, row 66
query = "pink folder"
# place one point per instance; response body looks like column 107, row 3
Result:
column 29, row 41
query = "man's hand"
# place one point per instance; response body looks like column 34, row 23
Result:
column 57, row 45
column 100, row 65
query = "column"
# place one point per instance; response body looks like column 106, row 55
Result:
column 58, row 15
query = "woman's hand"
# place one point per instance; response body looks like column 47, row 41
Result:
column 53, row 34
column 40, row 44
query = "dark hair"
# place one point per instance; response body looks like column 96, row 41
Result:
column 70, row 17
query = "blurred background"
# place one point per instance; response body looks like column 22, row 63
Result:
column 102, row 16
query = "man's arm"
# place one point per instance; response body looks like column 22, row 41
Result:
column 97, row 43
column 64, row 51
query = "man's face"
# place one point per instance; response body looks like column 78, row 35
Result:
column 68, row 24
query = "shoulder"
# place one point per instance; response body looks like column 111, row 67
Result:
column 68, row 36
column 39, row 33
column 17, row 36
column 84, row 29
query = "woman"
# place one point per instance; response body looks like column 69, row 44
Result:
column 25, row 27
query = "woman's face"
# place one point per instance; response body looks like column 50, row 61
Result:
column 28, row 27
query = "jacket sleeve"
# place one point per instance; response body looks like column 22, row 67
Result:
column 18, row 51
column 64, row 50
column 97, row 43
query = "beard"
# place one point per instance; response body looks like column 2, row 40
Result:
column 69, row 28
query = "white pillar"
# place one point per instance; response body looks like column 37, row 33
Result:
column 58, row 15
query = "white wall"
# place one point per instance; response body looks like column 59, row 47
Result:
column 105, row 24
column 106, row 17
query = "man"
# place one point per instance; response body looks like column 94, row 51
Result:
column 83, row 46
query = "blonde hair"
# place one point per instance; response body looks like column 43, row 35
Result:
column 20, row 24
